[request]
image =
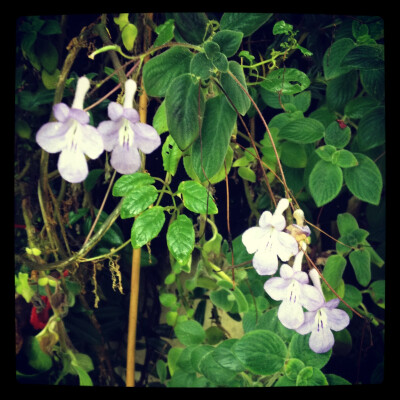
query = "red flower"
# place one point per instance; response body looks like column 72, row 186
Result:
column 341, row 123
column 39, row 319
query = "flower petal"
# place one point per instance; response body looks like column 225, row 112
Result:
column 115, row 111
column 92, row 143
column 72, row 166
column 311, row 297
column 278, row 222
column 253, row 239
column 291, row 315
column 131, row 114
column 146, row 137
column 79, row 115
column 265, row 219
column 286, row 271
column 308, row 324
column 321, row 340
column 276, row 287
column 337, row 319
column 265, row 262
column 61, row 111
column 109, row 132
column 125, row 160
column 51, row 136
column 286, row 246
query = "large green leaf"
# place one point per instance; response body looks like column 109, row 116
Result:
column 337, row 136
column 262, row 352
column 340, row 90
column 191, row 26
column 208, row 152
column 333, row 269
column 286, row 81
column 180, row 239
column 235, row 91
column 196, row 198
column 247, row 23
column 364, row 180
column 365, row 57
column 371, row 129
column 361, row 262
column 147, row 226
column 325, row 182
column 160, row 71
column 229, row 41
column 334, row 56
column 138, row 200
column 302, row 130
column 184, row 102
column 215, row 372
column 128, row 183
column 373, row 81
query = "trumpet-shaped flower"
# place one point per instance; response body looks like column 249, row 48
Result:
column 124, row 135
column 322, row 321
column 293, row 289
column 72, row 136
column 268, row 241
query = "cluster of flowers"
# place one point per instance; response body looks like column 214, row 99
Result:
column 268, row 241
column 123, row 135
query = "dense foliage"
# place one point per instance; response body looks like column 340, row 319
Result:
column 250, row 108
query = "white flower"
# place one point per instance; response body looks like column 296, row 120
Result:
column 268, row 241
column 322, row 321
column 293, row 289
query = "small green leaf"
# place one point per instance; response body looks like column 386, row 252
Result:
column 281, row 27
column 127, row 183
column 361, row 262
column 128, row 35
column 310, row 376
column 147, row 226
column 293, row 155
column 160, row 119
column 165, row 33
column 167, row 299
column 344, row 158
column 364, row 180
column 138, row 200
column 171, row 155
column 214, row 372
column 221, row 62
column 336, row 136
column 196, row 198
column 224, row 356
column 211, row 49
column 190, row 332
column 377, row 292
column 180, row 239
column 37, row 359
column 201, row 66
column 346, row 223
column 229, row 41
column 326, row 152
column 333, row 270
column 325, row 182
column 247, row 174
column 293, row 367
column 47, row 54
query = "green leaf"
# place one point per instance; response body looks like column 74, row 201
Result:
column 22, row 128
column 334, row 56
column 364, row 180
column 377, row 292
column 47, row 54
column 352, row 296
column 147, row 226
column 286, row 81
column 371, row 129
column 184, row 103
column 180, row 239
column 214, row 372
column 201, row 66
column 262, row 352
column 233, row 90
column 37, row 358
column 191, row 26
column 310, row 376
column 224, row 356
column 167, row 299
column 127, row 183
column 211, row 49
column 23, row 287
column 281, row 27
column 220, row 298
column 340, row 90
column 344, row 159
column 326, row 152
column 122, row 20
column 209, row 151
column 364, row 57
column 303, row 130
column 128, row 36
column 247, row 23
column 325, row 182
column 293, row 367
column 336, row 136
column 171, row 155
column 299, row 348
column 346, row 223
column 84, row 378
column 293, row 155
column 247, row 174
column 161, row 368
column 196, row 197
column 138, row 200
column 190, row 332
column 160, row 71
column 361, row 263
column 50, row 80
column 165, row 33
column 92, row 178
column 229, row 41
column 221, row 62
column 356, row 108
column 160, row 119
column 333, row 270
column 373, row 81
column 172, row 359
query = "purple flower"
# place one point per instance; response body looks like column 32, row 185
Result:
column 322, row 321
column 72, row 136
column 124, row 135
column 293, row 289
column 268, row 241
